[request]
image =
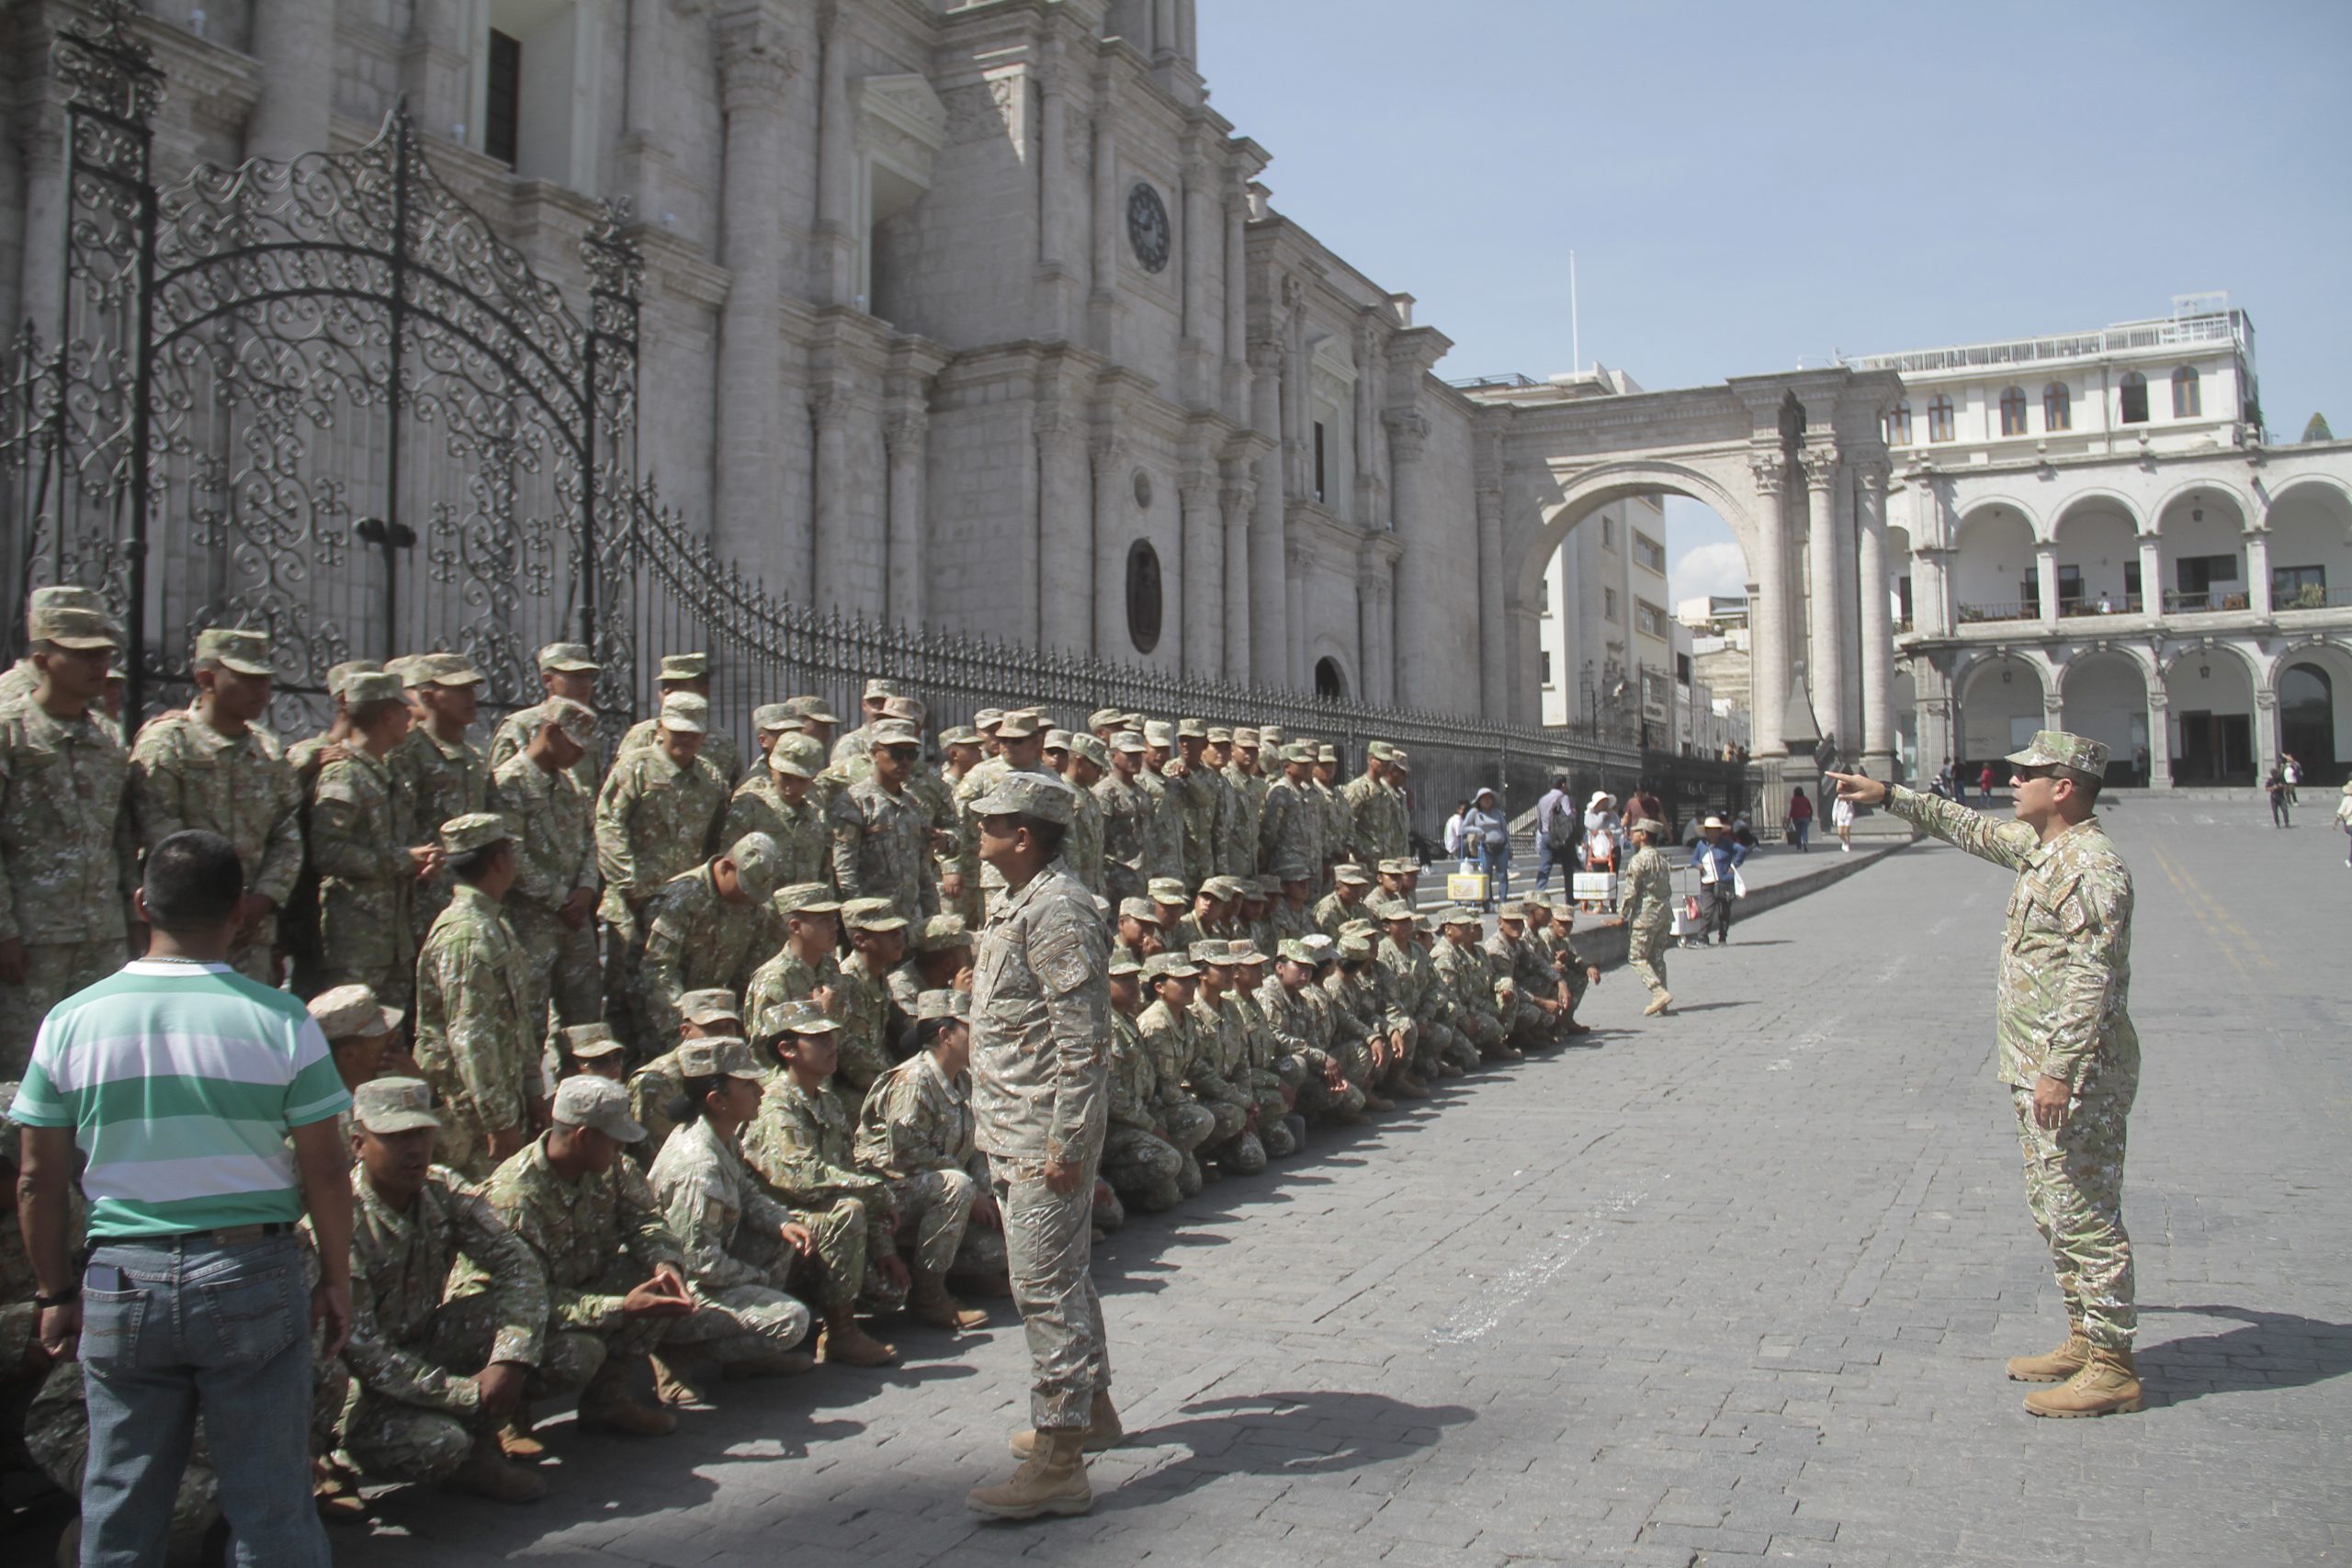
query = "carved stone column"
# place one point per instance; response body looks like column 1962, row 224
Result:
column 1877, row 627
column 1203, row 622
column 435, row 69
column 1236, row 309
column 1066, row 583
column 1203, row 247
column 2265, row 730
column 1302, row 562
column 1377, row 631
column 1494, row 695
column 2257, row 570
column 2159, row 733
column 835, row 253
column 1110, row 553
column 755, row 66
column 1824, row 661
column 2045, row 584
column 1103, row 302
column 2152, row 576
column 293, row 40
column 1235, row 502
column 1417, row 618
column 1269, row 554
column 1768, row 626
column 1054, row 190
column 835, row 584
column 904, row 436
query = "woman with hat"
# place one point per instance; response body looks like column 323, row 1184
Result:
column 1600, row 830
column 1487, row 834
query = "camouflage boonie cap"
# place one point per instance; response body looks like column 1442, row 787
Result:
column 590, row 1101
column 352, row 1013
column 802, row 1018
column 588, row 1040
column 474, row 831
column 1129, row 741
column 1142, row 910
column 1041, row 795
column 1460, row 915
column 441, row 670
column 710, row 1005
column 245, row 652
column 1160, row 733
column 1388, row 910
column 808, row 898
column 1353, row 875
column 1168, row 966
column 362, row 687
column 759, row 865
column 1018, row 725
column 1245, row 736
column 60, row 596
column 797, row 756
column 1219, row 953
column 339, row 675
column 959, row 735
column 813, row 709
column 1105, row 718
column 1246, row 955
column 1168, row 890
column 577, row 720
column 1354, row 947
column 685, row 667
column 987, row 719
column 686, row 712
column 1058, row 740
column 943, row 1004
column 569, row 658
column 384, row 1106
column 942, row 933
column 2058, row 749
column 878, row 689
column 1511, row 910
column 872, row 915
column 1399, row 865
column 770, row 717
column 66, row 626
column 1326, row 753
column 1379, row 751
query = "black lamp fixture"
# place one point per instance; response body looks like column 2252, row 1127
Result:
column 2204, row 671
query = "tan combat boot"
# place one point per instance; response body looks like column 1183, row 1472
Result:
column 670, row 1386
column 1103, row 1430
column 607, row 1406
column 2108, row 1385
column 847, row 1345
column 1052, row 1479
column 488, row 1473
column 515, row 1439
column 2056, row 1367
column 1659, row 1003
column 929, row 1302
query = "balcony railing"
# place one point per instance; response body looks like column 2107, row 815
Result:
column 2312, row 597
column 2223, row 327
column 2001, row 610
column 2107, row 604
column 2179, row 601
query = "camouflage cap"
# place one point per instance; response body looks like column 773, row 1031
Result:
column 1224, row 889
column 1168, row 890
column 1245, row 736
column 1246, row 955
column 2059, row 749
column 1090, row 750
column 906, row 709
column 808, row 898
column 1562, row 909
column 1425, row 924
column 1121, row 966
column 771, row 716
column 1398, row 759
column 1192, row 729
column 944, row 933
column 586, row 1042
column 1142, row 910
column 474, row 831
column 1041, row 795
column 1353, row 875
column 1018, row 725
column 685, row 667
column 1379, row 751
column 878, row 689
column 362, row 687
column 1326, row 753
column 569, row 658
column 1215, row 952
column 1354, row 947
column 597, row 1104
column 1129, row 741
column 896, row 732
column 797, row 756
column 352, row 1013
column 1273, row 733
column 1460, row 915
column 399, row 667
column 1160, row 733
column 987, row 719
column 66, row 626
column 1058, row 740
column 959, row 735
column 339, row 675
column 720, row 1056
column 1294, row 752
column 873, row 915
column 1105, row 718
column 943, row 1004
column 1511, row 910
column 759, row 865
column 710, row 1005
column 685, row 713
column 1293, row 950
column 60, row 596
column 1168, row 966
column 245, row 652
column 441, row 670
column 801, row 1018
column 813, row 709
column 384, row 1106
column 1400, row 865
column 1389, row 910
column 1220, row 736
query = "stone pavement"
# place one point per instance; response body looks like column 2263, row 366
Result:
column 1733, row 1286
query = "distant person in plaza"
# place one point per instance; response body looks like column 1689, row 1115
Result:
column 2344, row 821
column 2068, row 1053
column 1486, row 833
column 1841, row 817
column 1984, row 785
column 1600, row 830
column 2291, row 773
column 1555, row 824
column 1649, row 913
column 1716, row 855
column 2275, row 786
column 1800, row 818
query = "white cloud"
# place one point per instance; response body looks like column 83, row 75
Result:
column 1718, row 568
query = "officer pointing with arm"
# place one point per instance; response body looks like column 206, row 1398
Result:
column 2068, row 1053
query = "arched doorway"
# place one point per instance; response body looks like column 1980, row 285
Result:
column 2001, row 707
column 2105, row 696
column 2316, row 711
column 1330, row 681
column 2210, row 704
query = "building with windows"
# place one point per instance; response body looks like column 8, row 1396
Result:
column 2093, row 531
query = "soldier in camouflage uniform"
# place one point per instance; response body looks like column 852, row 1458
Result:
column 1020, row 740
column 1338, row 821
column 1350, row 885
column 740, row 1244
column 711, row 927
column 1649, row 915
column 2069, row 1056
column 1468, row 976
column 881, row 833
column 1417, row 993
column 369, row 851
column 1090, row 762
column 1163, row 807
column 477, row 1039
column 915, row 1132
column 1041, row 1016
column 1302, row 1030
column 1123, row 810
column 657, row 817
column 806, row 969
column 688, row 675
column 858, row 743
column 802, row 1146
column 942, row 962
column 1525, row 987
column 775, row 801
column 1249, row 783
column 1185, row 1077
column 613, row 1268
column 568, row 673
column 428, row 1393
column 553, row 906
column 210, row 766
column 1218, row 1072
column 17, row 681
column 1548, row 926
column 870, row 1019
column 1198, row 798
column 1140, row 1156
column 441, row 773
column 703, row 1015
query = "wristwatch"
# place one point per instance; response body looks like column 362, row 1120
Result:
column 70, row 1294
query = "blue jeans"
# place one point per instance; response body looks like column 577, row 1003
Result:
column 224, row 1331
column 1803, row 825
column 1495, row 861
column 1544, row 862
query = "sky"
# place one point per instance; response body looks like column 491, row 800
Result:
column 1751, row 187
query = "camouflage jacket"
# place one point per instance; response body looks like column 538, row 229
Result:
column 870, row 1024
column 441, row 778
column 1163, row 822
column 477, row 1043
column 1291, row 921
column 1290, row 833
column 804, row 1146
column 1648, row 890
column 1414, row 988
column 1375, row 820
column 554, row 823
column 882, row 849
column 696, row 939
column 184, row 773
column 1338, row 1027
column 654, row 820
column 786, row 977
column 1169, row 1038
column 1331, row 912
column 2061, row 1003
column 1245, row 796
column 707, row 1193
column 975, row 785
column 1260, row 1049
column 358, row 841
column 651, row 1088
column 1338, row 823
column 1041, row 1014
column 759, row 806
column 718, row 749
column 401, row 1266
column 1198, row 796
column 1468, row 976
column 67, row 859
column 916, row 1119
column 1133, row 1081
column 514, row 736
column 1082, row 850
column 1220, row 1066
column 1124, row 837
column 1296, row 1023
column 578, row 1230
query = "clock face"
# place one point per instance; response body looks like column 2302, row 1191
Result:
column 1147, row 226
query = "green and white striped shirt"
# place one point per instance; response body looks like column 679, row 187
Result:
column 181, row 1082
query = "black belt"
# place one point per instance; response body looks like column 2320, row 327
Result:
column 233, row 1236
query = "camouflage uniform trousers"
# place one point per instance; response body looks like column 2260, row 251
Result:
column 562, row 963
column 1244, row 1153
column 1443, row 1043
column 1526, row 1025
column 1645, row 954
column 1185, row 1127
column 741, row 1323
column 57, row 1436
column 2073, row 1186
column 835, row 1269
column 1307, row 1073
column 934, row 1209
column 1048, row 1235
column 53, row 971
column 389, row 1440
column 1144, row 1168
column 1273, row 1129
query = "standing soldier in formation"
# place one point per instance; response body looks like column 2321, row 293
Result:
column 855, row 745
column 1338, row 823
column 307, row 757
column 708, row 930
column 1193, row 790
column 1090, row 762
column 881, row 833
column 17, row 682
column 688, row 675
column 1290, row 821
column 567, row 673
column 656, row 817
column 208, row 766
column 1126, row 824
column 553, row 906
column 1041, row 1008
column 1649, row 915
column 67, row 861
column 369, row 851
column 1020, row 740
column 477, row 1037
column 442, row 773
column 775, row 800
column 2069, row 1056
column 1248, row 784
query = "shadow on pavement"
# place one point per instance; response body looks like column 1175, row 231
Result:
column 2268, row 1350
column 1303, row 1433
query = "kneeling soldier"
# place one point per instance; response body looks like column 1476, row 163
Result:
column 915, row 1132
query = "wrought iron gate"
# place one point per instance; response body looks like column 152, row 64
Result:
column 321, row 399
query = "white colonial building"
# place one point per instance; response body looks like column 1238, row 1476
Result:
column 2090, row 531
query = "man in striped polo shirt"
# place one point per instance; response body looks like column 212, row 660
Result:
column 182, row 1082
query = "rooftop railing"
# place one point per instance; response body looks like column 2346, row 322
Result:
column 2229, row 326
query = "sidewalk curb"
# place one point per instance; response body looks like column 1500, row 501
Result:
column 1603, row 943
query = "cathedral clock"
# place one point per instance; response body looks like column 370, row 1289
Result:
column 1147, row 226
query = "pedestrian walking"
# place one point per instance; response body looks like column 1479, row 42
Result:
column 2291, row 771
column 1601, row 825
column 2276, row 787
column 1453, row 849
column 2344, row 821
column 2068, row 1053
column 1486, row 833
column 1841, row 817
column 1649, row 915
column 193, row 1302
column 1555, row 831
column 1718, row 856
column 1800, row 818
column 1984, row 785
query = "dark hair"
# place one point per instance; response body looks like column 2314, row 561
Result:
column 472, row 865
column 923, row 1033
column 366, row 714
column 193, row 882
column 2088, row 785
column 685, row 1106
column 1047, row 836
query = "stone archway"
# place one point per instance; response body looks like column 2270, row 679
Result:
column 2004, row 698
column 2104, row 695
column 2312, row 682
column 2211, row 722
